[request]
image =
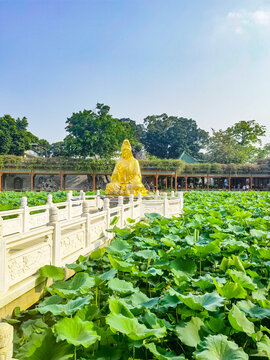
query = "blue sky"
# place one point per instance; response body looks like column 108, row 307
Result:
column 204, row 59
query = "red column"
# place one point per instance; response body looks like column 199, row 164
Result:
column 186, row 182
column 166, row 184
column 229, row 183
column 64, row 181
column 175, row 180
column 250, row 182
column 61, row 181
column 207, row 182
column 31, row 181
column 156, row 182
column 94, row 181
column 0, row 181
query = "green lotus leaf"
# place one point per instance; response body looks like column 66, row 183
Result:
column 264, row 346
column 254, row 311
column 89, row 312
column 241, row 278
column 258, row 233
column 54, row 305
column 187, row 267
column 204, row 282
column 138, row 299
column 81, row 283
column 216, row 324
column 77, row 267
column 132, row 328
column 44, row 347
column 120, row 265
column 264, row 254
column 189, row 332
column 76, row 331
column 260, row 294
column 218, row 347
column 239, row 322
column 118, row 306
column 33, row 325
column 209, row 301
column 168, row 242
column 146, row 254
column 169, row 301
column 230, row 290
column 51, row 271
column 121, row 286
column 108, row 274
column 118, row 246
column 205, row 250
column 97, row 254
column 162, row 354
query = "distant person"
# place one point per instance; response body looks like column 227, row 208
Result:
column 151, row 185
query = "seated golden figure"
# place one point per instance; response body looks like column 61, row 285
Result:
column 126, row 178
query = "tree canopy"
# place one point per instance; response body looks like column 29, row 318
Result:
column 14, row 136
column 96, row 132
column 168, row 136
column 237, row 144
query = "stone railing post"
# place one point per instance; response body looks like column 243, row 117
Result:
column 85, row 213
column 121, row 205
column 69, row 205
column 50, row 200
column 172, row 194
column 82, row 195
column 6, row 341
column 53, row 221
column 131, row 201
column 139, row 197
column 26, row 214
column 157, row 195
column 3, row 261
column 181, row 198
column 165, row 205
column 98, row 199
column 106, row 207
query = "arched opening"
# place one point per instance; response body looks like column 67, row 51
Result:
column 18, row 183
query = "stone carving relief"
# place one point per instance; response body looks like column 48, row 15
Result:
column 72, row 242
column 22, row 266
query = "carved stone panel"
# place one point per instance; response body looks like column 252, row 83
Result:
column 72, row 242
column 12, row 226
column 27, row 263
column 38, row 220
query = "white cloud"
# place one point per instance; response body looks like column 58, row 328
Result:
column 242, row 20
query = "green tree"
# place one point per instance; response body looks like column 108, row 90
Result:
column 96, row 133
column 237, row 144
column 58, row 149
column 15, row 138
column 168, row 136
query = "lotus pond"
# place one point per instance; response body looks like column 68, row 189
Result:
column 191, row 287
column 10, row 200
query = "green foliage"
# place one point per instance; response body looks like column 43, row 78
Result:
column 12, row 200
column 15, row 138
column 168, row 136
column 97, row 133
column 191, row 287
column 237, row 144
column 51, row 271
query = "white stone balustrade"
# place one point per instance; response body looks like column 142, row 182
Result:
column 6, row 341
column 58, row 233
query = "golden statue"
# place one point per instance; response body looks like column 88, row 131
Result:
column 126, row 178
